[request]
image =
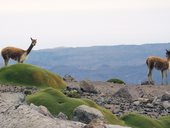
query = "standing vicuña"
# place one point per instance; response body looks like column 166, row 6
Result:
column 17, row 54
column 159, row 64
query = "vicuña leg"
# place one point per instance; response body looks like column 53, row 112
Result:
column 149, row 75
column 162, row 74
column 166, row 74
column 6, row 61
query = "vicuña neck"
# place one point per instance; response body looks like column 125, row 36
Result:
column 29, row 49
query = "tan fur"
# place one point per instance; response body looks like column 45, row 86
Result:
column 23, row 57
column 159, row 64
column 16, row 54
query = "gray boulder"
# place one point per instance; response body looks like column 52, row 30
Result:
column 123, row 93
column 165, row 97
column 87, row 86
column 86, row 114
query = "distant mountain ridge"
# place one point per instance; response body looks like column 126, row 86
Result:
column 126, row 62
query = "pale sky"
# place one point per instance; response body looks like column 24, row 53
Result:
column 75, row 23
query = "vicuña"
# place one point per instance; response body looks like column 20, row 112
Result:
column 16, row 54
column 159, row 64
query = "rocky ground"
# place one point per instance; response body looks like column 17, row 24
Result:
column 151, row 100
column 16, row 113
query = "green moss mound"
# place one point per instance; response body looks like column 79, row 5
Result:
column 28, row 75
column 57, row 102
column 165, row 121
column 140, row 121
column 115, row 80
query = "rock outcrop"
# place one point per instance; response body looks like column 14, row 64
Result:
column 165, row 97
column 87, row 86
column 123, row 93
column 86, row 114
column 153, row 101
column 16, row 113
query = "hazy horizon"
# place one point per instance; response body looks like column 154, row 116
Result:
column 83, row 23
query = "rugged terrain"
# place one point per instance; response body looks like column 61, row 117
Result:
column 16, row 113
column 32, row 97
column 150, row 100
column 120, row 99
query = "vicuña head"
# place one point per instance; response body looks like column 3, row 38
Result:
column 160, row 64
column 16, row 54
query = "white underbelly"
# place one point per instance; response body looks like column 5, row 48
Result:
column 23, row 57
